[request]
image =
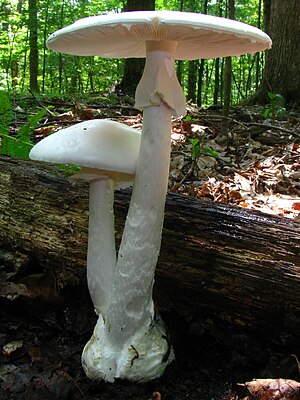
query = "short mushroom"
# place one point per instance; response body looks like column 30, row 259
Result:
column 108, row 152
column 132, row 343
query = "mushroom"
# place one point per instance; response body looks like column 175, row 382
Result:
column 108, row 152
column 131, row 343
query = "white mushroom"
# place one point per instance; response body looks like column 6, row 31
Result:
column 108, row 152
column 130, row 343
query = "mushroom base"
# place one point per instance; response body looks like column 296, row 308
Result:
column 143, row 358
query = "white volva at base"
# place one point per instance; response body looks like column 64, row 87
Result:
column 143, row 358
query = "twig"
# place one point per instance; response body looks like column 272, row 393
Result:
column 77, row 386
column 246, row 124
column 279, row 128
column 189, row 173
column 40, row 103
column 297, row 361
column 221, row 117
column 93, row 106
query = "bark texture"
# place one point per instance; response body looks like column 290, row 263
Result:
column 33, row 44
column 282, row 67
column 134, row 67
column 225, row 270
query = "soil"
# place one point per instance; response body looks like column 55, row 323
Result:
column 42, row 342
column 41, row 357
column 47, row 364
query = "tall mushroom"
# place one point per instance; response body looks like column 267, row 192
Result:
column 108, row 152
column 131, row 343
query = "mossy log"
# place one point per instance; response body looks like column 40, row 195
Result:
column 223, row 269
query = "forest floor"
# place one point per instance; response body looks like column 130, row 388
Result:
column 256, row 165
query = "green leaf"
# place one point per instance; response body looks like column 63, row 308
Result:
column 19, row 145
column 195, row 148
column 32, row 123
column 5, row 111
column 211, row 152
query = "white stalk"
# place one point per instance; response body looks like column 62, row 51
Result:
column 160, row 94
column 131, row 343
column 131, row 304
column 101, row 256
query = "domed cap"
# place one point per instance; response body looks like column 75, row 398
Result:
column 124, row 35
column 99, row 144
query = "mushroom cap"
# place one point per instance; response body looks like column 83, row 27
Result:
column 124, row 35
column 98, row 144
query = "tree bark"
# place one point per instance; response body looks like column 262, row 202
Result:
column 227, row 79
column 201, row 67
column 267, row 15
column 134, row 67
column 224, row 269
column 33, row 44
column 217, row 81
column 282, row 66
column 192, row 80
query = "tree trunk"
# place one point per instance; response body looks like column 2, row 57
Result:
column 226, row 270
column 134, row 67
column 217, row 81
column 201, row 67
column 258, row 55
column 267, row 15
column 192, row 80
column 14, row 73
column 227, row 79
column 60, row 57
column 33, row 45
column 45, row 34
column 282, row 67
column 200, row 82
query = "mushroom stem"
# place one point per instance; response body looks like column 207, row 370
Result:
column 132, row 343
column 101, row 256
column 131, row 306
column 159, row 82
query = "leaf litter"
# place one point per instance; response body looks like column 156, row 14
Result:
column 255, row 166
column 238, row 169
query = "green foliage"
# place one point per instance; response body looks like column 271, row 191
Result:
column 195, row 148
column 198, row 144
column 7, row 142
column 18, row 145
column 276, row 107
column 198, row 148
column 23, row 144
column 33, row 121
column 210, row 152
column 5, row 113
column 69, row 169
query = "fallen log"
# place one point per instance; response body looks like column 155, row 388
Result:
column 224, row 270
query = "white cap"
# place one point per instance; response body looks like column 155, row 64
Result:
column 99, row 144
column 124, row 35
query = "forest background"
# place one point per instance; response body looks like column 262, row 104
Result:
column 26, row 63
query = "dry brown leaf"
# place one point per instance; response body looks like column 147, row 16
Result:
column 42, row 285
column 273, row 389
column 156, row 396
column 296, row 206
